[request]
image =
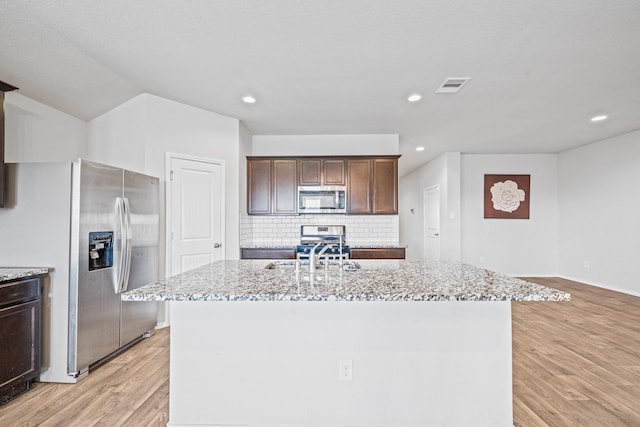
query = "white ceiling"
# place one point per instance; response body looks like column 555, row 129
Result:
column 539, row 69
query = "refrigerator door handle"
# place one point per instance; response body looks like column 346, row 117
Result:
column 123, row 250
column 126, row 245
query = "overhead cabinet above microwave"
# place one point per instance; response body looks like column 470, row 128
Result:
column 370, row 183
column 328, row 172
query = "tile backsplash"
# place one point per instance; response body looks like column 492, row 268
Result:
column 362, row 230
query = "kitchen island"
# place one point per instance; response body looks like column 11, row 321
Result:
column 406, row 343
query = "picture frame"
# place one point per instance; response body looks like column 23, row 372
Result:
column 507, row 196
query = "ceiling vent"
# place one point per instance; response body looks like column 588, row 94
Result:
column 452, row 84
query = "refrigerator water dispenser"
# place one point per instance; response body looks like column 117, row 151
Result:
column 100, row 250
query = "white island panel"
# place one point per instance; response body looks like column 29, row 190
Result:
column 276, row 363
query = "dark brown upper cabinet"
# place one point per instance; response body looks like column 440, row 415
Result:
column 285, row 187
column 372, row 182
column 321, row 172
column 271, row 186
column 359, row 186
column 259, row 187
column 385, row 186
column 4, row 87
column 372, row 186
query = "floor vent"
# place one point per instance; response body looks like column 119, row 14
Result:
column 452, row 84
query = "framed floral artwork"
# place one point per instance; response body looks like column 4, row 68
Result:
column 507, row 196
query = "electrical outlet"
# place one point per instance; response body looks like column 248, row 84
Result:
column 346, row 370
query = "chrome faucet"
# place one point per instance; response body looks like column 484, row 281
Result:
column 314, row 258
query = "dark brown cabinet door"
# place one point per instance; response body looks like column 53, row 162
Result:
column 285, row 188
column 259, row 187
column 310, row 172
column 359, row 186
column 333, row 172
column 385, row 186
column 1, row 149
column 4, row 87
column 19, row 336
column 321, row 172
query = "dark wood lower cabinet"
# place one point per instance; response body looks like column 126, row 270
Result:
column 19, row 336
column 377, row 253
column 267, row 253
column 290, row 253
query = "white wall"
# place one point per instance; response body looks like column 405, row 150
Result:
column 36, row 132
column 41, row 214
column 137, row 134
column 246, row 225
column 444, row 171
column 325, row 145
column 600, row 213
column 246, row 148
column 118, row 137
column 511, row 246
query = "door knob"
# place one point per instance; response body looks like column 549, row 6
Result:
column 217, row 245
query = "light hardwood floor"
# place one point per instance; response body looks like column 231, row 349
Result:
column 577, row 363
column 130, row 390
column 574, row 364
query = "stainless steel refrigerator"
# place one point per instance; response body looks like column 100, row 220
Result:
column 97, row 228
column 114, row 247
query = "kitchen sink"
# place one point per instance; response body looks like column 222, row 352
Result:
column 304, row 265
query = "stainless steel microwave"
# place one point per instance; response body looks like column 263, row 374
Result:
column 322, row 199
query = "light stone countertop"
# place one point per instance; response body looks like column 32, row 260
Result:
column 7, row 273
column 388, row 280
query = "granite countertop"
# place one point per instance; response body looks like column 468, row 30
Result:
column 388, row 280
column 10, row 273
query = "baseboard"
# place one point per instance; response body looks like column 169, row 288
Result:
column 162, row 325
column 600, row 285
column 518, row 276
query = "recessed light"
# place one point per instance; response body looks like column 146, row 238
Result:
column 599, row 118
column 248, row 99
column 419, row 148
column 414, row 97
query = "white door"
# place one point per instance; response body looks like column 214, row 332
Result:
column 432, row 223
column 196, row 199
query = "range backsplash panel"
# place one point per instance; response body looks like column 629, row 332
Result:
column 362, row 230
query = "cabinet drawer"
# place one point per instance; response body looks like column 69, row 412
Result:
column 267, row 253
column 377, row 253
column 20, row 290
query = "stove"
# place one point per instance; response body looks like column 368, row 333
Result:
column 320, row 236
